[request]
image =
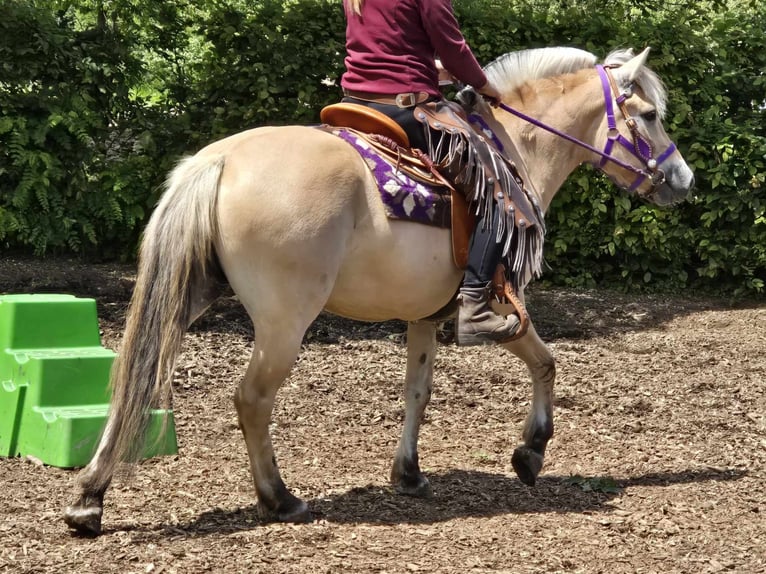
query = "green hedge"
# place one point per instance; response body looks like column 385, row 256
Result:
column 68, row 174
column 714, row 64
column 96, row 104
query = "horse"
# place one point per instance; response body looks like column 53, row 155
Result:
column 292, row 220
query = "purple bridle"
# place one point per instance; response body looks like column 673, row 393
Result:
column 639, row 147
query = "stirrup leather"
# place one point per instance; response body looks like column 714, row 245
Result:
column 505, row 293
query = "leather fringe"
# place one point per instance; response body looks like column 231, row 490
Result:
column 487, row 179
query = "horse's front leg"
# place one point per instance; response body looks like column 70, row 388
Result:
column 421, row 351
column 527, row 459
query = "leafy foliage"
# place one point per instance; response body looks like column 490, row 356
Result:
column 604, row 484
column 63, row 116
column 99, row 97
column 289, row 56
column 711, row 56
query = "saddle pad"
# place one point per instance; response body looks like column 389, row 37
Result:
column 403, row 197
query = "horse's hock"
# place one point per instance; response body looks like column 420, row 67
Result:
column 54, row 377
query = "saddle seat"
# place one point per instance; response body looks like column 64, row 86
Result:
column 364, row 119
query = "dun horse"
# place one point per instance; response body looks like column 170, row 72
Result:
column 292, row 219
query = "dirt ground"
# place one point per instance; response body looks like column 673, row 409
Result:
column 657, row 465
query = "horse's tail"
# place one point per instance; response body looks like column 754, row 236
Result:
column 175, row 260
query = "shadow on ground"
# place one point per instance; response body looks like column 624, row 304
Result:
column 457, row 494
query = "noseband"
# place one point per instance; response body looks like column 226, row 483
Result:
column 640, row 146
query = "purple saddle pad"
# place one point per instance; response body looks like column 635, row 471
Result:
column 403, row 197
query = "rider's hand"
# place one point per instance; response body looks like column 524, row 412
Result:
column 491, row 93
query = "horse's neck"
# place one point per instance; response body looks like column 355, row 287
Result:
column 547, row 163
column 544, row 159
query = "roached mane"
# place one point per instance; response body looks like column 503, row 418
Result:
column 512, row 70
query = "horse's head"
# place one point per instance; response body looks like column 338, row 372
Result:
column 612, row 112
column 638, row 154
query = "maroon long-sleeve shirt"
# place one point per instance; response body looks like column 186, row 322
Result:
column 391, row 47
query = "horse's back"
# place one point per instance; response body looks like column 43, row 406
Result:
column 289, row 156
column 290, row 180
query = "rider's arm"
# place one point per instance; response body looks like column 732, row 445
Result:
column 444, row 32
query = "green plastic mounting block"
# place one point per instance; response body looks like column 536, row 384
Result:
column 54, row 381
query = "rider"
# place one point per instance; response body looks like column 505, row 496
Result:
column 391, row 66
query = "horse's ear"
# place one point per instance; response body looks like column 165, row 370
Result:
column 628, row 72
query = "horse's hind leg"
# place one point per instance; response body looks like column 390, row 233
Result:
column 282, row 303
column 84, row 516
column 273, row 356
column 421, row 351
column 527, row 459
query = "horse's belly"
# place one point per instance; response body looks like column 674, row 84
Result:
column 400, row 270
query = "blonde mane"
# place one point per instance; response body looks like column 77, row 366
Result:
column 512, row 70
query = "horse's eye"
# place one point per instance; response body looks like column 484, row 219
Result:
column 649, row 116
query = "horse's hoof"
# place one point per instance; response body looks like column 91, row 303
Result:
column 527, row 463
column 418, row 488
column 297, row 513
column 409, row 480
column 84, row 520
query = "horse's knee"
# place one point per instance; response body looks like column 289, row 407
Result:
column 544, row 370
column 244, row 410
column 255, row 396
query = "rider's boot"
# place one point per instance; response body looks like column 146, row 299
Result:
column 477, row 322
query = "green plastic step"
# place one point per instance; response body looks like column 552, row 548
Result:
column 60, row 377
column 11, row 407
column 67, row 437
column 54, row 382
column 47, row 321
